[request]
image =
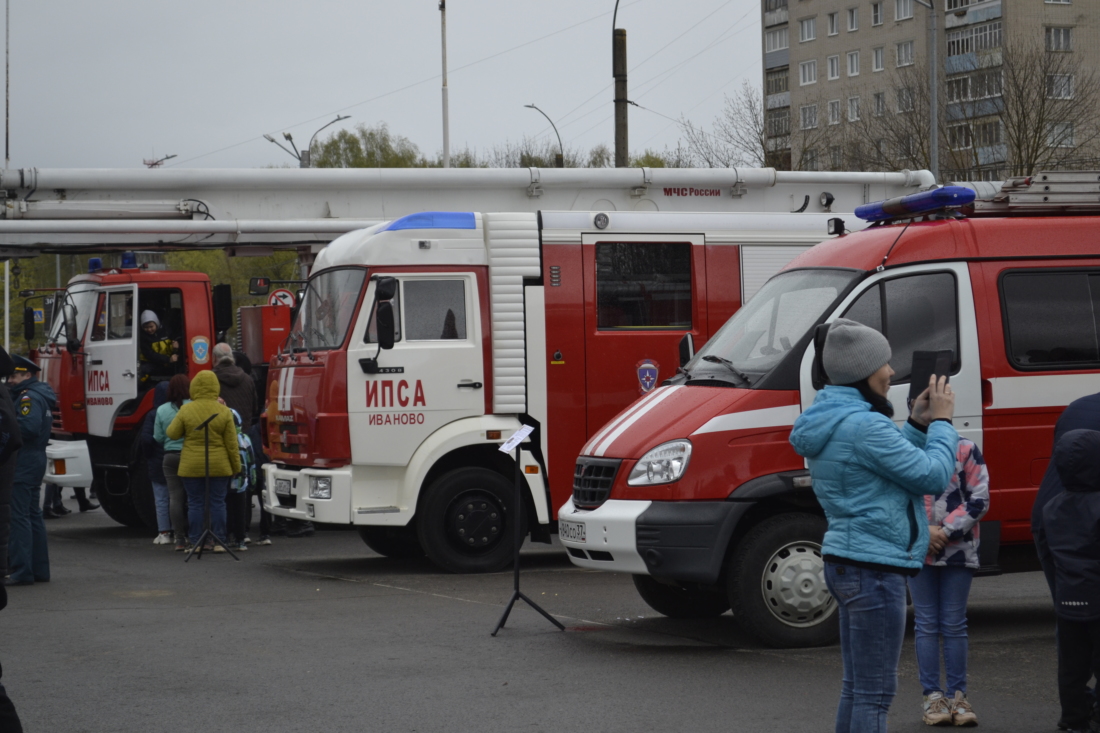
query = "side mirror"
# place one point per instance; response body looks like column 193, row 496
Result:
column 259, row 286
column 385, row 288
column 68, row 313
column 223, row 308
column 687, row 349
column 28, row 323
column 384, row 316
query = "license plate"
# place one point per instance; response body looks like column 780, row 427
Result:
column 282, row 486
column 572, row 531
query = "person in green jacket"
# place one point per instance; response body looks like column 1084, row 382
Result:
column 225, row 461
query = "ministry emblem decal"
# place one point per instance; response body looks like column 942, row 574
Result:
column 647, row 375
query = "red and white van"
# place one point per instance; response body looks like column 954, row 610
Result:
column 695, row 490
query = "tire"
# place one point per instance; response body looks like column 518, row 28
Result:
column 400, row 543
column 114, row 496
column 141, row 488
column 675, row 601
column 465, row 521
column 776, row 583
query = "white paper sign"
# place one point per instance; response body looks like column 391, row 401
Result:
column 517, row 438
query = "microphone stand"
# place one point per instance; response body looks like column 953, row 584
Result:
column 208, row 533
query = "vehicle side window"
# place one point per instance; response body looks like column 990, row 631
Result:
column 99, row 327
column 920, row 313
column 435, row 310
column 643, row 285
column 1051, row 319
column 120, row 315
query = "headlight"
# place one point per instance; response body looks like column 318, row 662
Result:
column 662, row 465
column 320, row 487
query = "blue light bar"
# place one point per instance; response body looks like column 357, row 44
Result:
column 434, row 220
column 129, row 260
column 915, row 204
column 95, row 264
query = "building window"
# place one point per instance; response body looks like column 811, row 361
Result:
column 809, row 116
column 776, row 40
column 809, row 160
column 986, row 84
column 1060, row 135
column 880, row 104
column 853, row 63
column 834, row 67
column 834, row 112
column 807, row 29
column 907, row 147
column 853, row 109
column 903, row 9
column 878, row 59
column 643, row 285
column 1060, row 86
column 777, row 82
column 957, row 4
column 1057, row 2
column 977, row 38
column 905, row 54
column 853, row 19
column 958, row 137
column 876, row 13
column 905, row 100
column 773, row 5
column 1059, row 39
column 958, row 90
column 836, row 158
column 807, row 73
column 834, row 23
column 778, row 122
column 987, row 133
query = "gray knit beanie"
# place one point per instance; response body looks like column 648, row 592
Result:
column 853, row 351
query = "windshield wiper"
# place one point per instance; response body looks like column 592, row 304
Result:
column 728, row 365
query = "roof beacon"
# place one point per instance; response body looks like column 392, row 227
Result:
column 925, row 202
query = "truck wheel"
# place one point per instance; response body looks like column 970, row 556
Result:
column 466, row 521
column 777, row 586
column 400, row 543
column 141, row 488
column 114, row 497
column 675, row 601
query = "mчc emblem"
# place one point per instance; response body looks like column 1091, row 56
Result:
column 647, row 375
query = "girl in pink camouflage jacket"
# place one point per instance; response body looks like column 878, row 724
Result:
column 941, row 589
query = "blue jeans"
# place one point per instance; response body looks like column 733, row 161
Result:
column 871, row 605
column 939, row 610
column 196, row 505
column 160, row 497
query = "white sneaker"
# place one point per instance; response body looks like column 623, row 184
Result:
column 937, row 709
column 162, row 539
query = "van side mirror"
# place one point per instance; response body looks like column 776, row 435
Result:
column 223, row 308
column 687, row 349
column 259, row 286
column 385, row 288
column 384, row 316
column 818, row 377
column 68, row 313
column 28, row 323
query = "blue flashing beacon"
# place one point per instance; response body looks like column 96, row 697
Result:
column 925, row 202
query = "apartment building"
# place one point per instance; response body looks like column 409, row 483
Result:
column 846, row 82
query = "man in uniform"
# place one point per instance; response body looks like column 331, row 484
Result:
column 28, row 556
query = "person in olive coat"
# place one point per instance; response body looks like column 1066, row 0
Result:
column 34, row 400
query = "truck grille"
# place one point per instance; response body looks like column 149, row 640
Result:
column 592, row 481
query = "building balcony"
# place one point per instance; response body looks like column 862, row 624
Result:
column 778, row 17
column 775, row 101
column 974, row 13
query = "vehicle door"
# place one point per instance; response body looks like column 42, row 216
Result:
column 642, row 294
column 110, row 377
column 920, row 308
column 434, row 374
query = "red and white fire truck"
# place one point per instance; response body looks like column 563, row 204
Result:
column 491, row 321
column 695, row 490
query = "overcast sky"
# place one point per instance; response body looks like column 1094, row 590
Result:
column 106, row 83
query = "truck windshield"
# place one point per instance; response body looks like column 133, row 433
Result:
column 768, row 326
column 81, row 295
column 327, row 309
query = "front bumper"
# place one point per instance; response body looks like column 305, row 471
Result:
column 68, row 463
column 671, row 540
column 298, row 504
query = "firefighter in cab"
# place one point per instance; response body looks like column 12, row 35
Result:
column 157, row 350
column 28, row 558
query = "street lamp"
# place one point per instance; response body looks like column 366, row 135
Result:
column 302, row 156
column 934, row 100
column 561, row 156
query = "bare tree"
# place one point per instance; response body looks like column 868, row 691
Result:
column 738, row 135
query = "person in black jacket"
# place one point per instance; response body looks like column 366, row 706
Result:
column 1071, row 539
column 154, row 458
column 11, row 439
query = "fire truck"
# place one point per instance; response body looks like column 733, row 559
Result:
column 423, row 343
column 254, row 212
column 695, row 490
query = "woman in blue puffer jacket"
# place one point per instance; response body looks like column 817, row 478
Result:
column 870, row 478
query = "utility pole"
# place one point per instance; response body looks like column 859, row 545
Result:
column 7, row 81
column 622, row 147
column 446, row 113
column 933, row 91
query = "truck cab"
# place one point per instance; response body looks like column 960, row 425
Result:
column 695, row 490
column 92, row 361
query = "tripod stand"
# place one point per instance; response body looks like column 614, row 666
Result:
column 517, row 508
column 208, row 533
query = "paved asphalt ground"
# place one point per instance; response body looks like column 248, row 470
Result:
column 320, row 634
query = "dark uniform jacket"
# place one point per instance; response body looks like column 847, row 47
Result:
column 34, row 403
column 1071, row 521
column 239, row 392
